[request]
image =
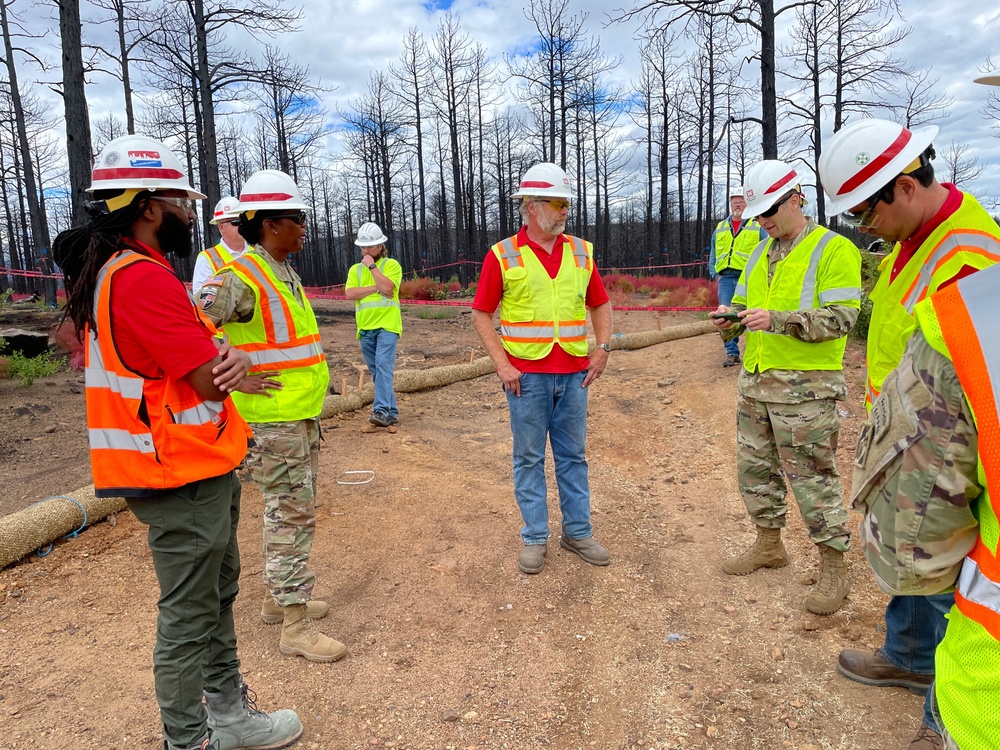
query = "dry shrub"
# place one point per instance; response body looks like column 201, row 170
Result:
column 619, row 281
column 454, row 287
column 68, row 340
column 678, row 292
column 419, row 289
column 619, row 297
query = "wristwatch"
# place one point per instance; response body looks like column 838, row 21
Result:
column 605, row 347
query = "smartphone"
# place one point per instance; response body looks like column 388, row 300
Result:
column 730, row 316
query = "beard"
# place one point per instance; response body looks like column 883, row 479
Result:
column 175, row 236
column 552, row 226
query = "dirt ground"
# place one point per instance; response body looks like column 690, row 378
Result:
column 450, row 646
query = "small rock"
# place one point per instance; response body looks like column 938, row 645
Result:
column 51, row 428
column 470, row 715
column 449, row 714
column 808, row 579
column 777, row 654
column 729, row 609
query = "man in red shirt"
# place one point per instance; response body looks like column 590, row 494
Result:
column 165, row 435
column 544, row 281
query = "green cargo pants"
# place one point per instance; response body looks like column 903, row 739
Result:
column 192, row 537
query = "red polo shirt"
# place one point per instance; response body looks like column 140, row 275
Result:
column 489, row 290
column 908, row 248
column 155, row 327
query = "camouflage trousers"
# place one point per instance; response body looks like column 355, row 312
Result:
column 798, row 441
column 284, row 463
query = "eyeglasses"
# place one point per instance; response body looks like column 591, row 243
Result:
column 185, row 204
column 867, row 218
column 298, row 217
column 774, row 209
column 559, row 204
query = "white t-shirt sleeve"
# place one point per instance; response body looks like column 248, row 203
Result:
column 202, row 273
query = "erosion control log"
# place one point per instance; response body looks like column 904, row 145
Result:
column 35, row 527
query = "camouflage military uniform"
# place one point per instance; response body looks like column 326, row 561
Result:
column 787, row 423
column 284, row 457
column 915, row 486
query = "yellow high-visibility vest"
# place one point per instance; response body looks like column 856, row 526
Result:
column 536, row 311
column 376, row 311
column 733, row 252
column 823, row 269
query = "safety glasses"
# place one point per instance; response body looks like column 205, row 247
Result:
column 185, row 204
column 867, row 218
column 559, row 204
column 299, row 217
column 774, row 209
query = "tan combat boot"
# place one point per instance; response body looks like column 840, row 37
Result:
column 300, row 637
column 272, row 614
column 833, row 583
column 766, row 552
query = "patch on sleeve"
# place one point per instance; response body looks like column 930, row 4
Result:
column 209, row 291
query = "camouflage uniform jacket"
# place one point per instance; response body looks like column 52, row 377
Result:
column 812, row 325
column 225, row 297
column 916, row 476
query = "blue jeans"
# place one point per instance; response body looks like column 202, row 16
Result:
column 379, row 349
column 553, row 406
column 727, row 289
column 914, row 626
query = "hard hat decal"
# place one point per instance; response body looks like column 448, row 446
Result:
column 872, row 166
column 782, row 182
column 863, row 158
column 144, row 159
column 111, row 159
column 750, row 193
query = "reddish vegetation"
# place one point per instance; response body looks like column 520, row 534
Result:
column 663, row 291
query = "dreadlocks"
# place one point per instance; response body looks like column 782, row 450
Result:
column 83, row 251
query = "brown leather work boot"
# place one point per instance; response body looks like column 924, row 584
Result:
column 300, row 637
column 766, row 552
column 872, row 668
column 272, row 614
column 926, row 739
column 833, row 583
column 531, row 559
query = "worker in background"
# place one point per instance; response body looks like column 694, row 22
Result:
column 373, row 284
column 732, row 242
column 165, row 435
column 226, row 219
column 544, row 281
column 260, row 300
column 879, row 178
column 928, row 478
column 797, row 298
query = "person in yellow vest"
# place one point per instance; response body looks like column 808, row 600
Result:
column 732, row 242
column 928, row 477
column 260, row 300
column 797, row 298
column 373, row 284
column 164, row 434
column 543, row 281
column 210, row 261
column 879, row 177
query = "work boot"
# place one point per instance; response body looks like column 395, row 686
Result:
column 272, row 614
column 300, row 637
column 731, row 360
column 587, row 548
column 531, row 560
column 926, row 739
column 833, row 583
column 766, row 552
column 872, row 668
column 236, row 724
column 379, row 418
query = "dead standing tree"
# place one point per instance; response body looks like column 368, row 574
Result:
column 78, row 145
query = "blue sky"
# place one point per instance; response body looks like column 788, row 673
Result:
column 343, row 42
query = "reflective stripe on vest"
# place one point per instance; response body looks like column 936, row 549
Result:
column 732, row 252
column 365, row 303
column 218, row 256
column 969, row 237
column 148, row 435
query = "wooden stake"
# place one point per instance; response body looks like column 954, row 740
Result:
column 472, row 356
column 658, row 326
column 361, row 379
column 343, row 386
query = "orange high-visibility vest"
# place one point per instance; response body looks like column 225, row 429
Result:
column 961, row 323
column 148, row 435
column 969, row 237
column 537, row 311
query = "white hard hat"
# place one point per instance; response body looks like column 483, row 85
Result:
column 226, row 209
column 370, row 234
column 270, row 190
column 736, row 192
column 765, row 184
column 864, row 156
column 544, row 180
column 136, row 163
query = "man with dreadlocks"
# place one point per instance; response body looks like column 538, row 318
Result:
column 165, row 436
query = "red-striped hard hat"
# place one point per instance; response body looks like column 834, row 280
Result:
column 545, row 180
